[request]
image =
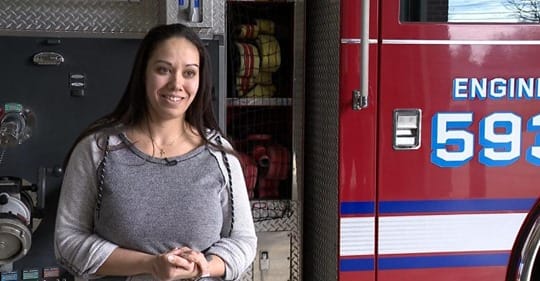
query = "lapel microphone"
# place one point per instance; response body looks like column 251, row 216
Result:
column 170, row 162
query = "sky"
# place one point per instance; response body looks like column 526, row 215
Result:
column 480, row 11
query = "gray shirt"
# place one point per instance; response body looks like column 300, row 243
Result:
column 152, row 205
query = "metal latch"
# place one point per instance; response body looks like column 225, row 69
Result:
column 264, row 261
column 407, row 128
column 360, row 100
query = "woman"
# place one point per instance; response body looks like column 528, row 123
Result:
column 152, row 191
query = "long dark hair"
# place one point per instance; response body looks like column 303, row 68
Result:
column 132, row 109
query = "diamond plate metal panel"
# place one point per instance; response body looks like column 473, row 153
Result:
column 320, row 230
column 278, row 215
column 92, row 17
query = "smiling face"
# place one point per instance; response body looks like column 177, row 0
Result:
column 172, row 78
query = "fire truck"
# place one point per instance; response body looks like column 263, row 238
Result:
column 435, row 138
column 380, row 140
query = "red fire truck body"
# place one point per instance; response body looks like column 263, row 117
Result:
column 438, row 131
column 438, row 172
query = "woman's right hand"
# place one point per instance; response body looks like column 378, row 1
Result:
column 172, row 266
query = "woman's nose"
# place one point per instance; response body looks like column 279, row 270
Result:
column 175, row 82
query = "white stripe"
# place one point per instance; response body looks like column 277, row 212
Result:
column 356, row 41
column 442, row 42
column 460, row 42
column 448, row 233
column 357, row 236
column 431, row 233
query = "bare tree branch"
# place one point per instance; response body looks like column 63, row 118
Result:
column 528, row 10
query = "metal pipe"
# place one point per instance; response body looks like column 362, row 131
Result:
column 364, row 78
column 360, row 97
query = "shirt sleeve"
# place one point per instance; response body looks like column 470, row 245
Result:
column 238, row 249
column 76, row 246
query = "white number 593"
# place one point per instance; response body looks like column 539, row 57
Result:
column 452, row 145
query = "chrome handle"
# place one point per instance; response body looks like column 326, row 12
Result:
column 407, row 129
column 48, row 58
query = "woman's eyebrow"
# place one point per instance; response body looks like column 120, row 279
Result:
column 170, row 64
column 163, row 61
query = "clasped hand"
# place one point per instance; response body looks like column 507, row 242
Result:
column 183, row 263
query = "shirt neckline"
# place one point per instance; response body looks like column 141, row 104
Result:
column 131, row 146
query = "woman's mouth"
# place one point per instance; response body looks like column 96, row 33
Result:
column 172, row 98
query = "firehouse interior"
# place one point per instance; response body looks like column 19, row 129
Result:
column 67, row 63
column 333, row 108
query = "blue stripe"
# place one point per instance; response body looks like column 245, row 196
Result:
column 443, row 261
column 476, row 205
column 356, row 264
column 354, row 208
column 434, row 206
column 409, row 262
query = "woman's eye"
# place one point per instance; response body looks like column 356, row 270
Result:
column 162, row 70
column 190, row 73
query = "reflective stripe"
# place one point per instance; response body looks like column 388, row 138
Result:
column 356, row 41
column 448, row 233
column 459, row 42
column 441, row 42
column 357, row 236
